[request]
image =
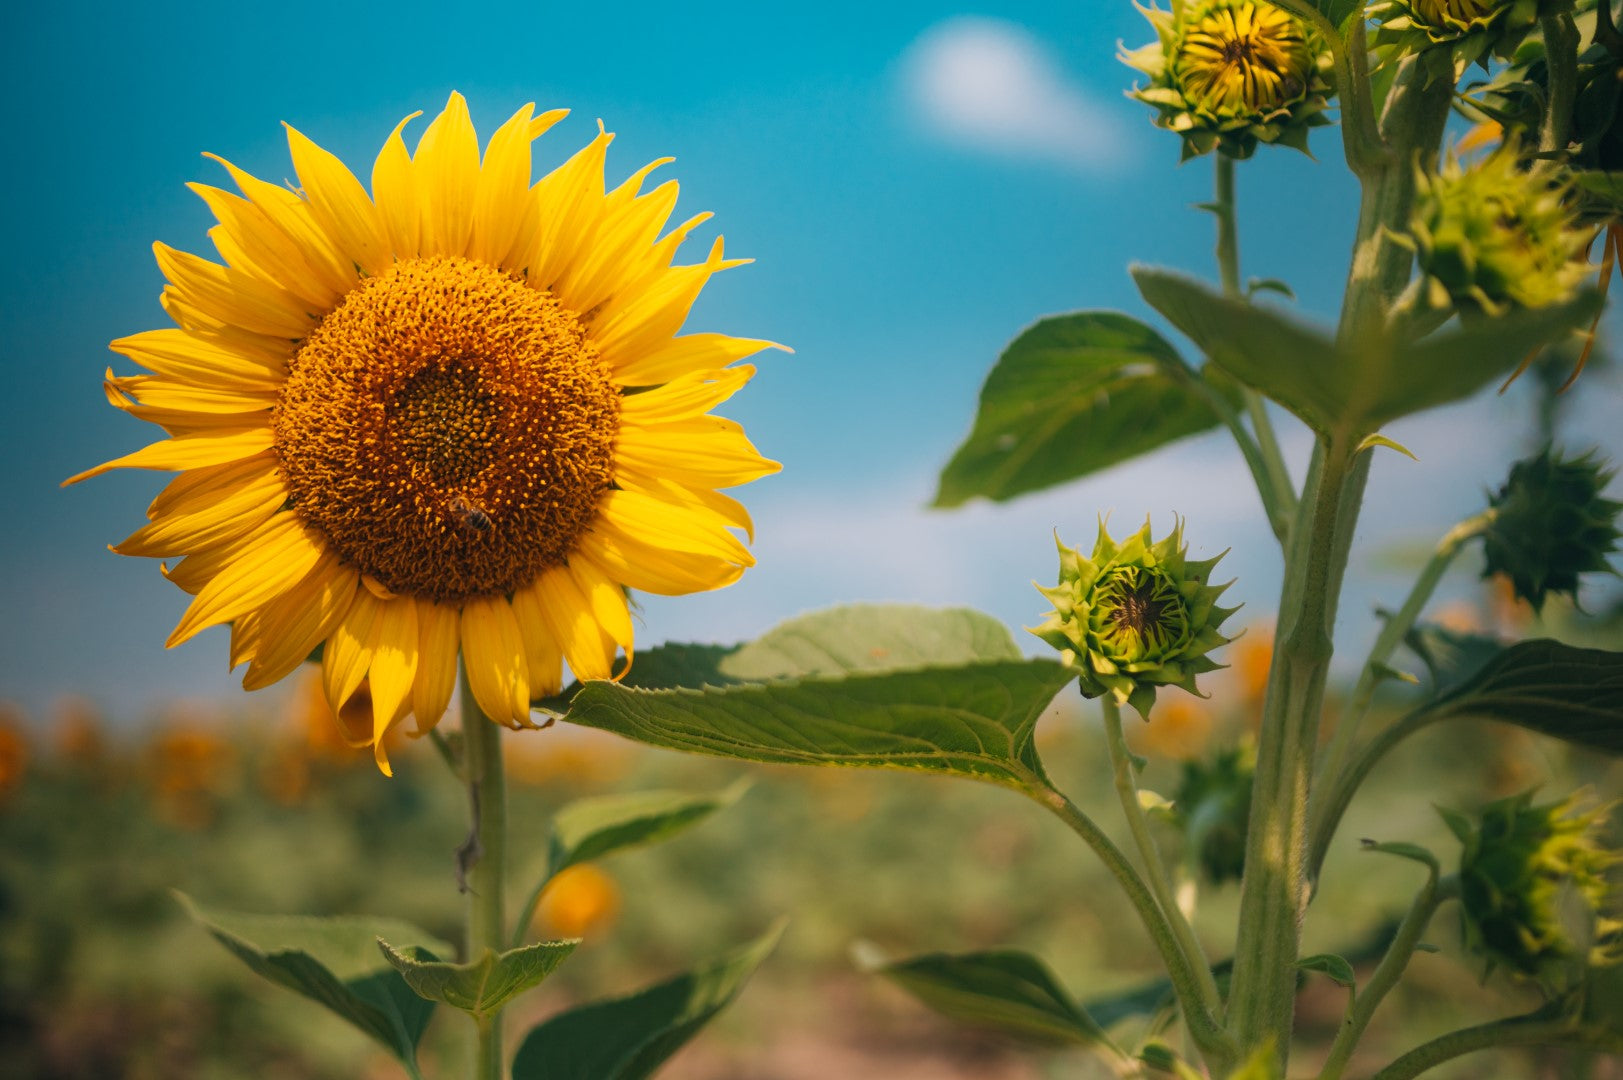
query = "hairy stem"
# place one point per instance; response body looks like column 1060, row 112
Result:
column 1127, row 790
column 1532, row 1030
column 1368, row 998
column 486, row 929
column 1561, row 41
column 1214, row 1043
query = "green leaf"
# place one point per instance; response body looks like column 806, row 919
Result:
column 1372, row 441
column 1332, row 965
column 589, row 829
column 334, row 961
column 870, row 637
column 1404, row 850
column 487, row 984
column 628, row 1038
column 1545, row 686
column 1451, row 657
column 973, row 720
column 1072, row 395
column 660, row 668
column 1007, row 991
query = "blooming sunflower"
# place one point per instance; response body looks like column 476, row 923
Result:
column 451, row 418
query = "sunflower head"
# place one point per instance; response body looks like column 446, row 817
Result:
column 1551, row 523
column 1499, row 233
column 452, row 418
column 1228, row 74
column 1451, row 35
column 1135, row 616
column 1534, row 890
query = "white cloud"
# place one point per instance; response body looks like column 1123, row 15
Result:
column 991, row 85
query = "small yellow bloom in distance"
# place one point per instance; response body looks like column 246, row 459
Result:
column 581, row 901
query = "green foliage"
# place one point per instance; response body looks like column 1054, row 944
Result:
column 1212, row 806
column 589, row 829
column 481, row 987
column 870, row 637
column 1336, row 967
column 1450, row 656
column 1004, row 990
column 334, row 961
column 973, row 720
column 1559, row 690
column 1350, row 394
column 1404, row 850
column 1071, row 395
column 628, row 1038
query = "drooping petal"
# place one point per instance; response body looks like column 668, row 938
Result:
column 542, row 656
column 493, row 660
column 437, row 637
column 568, row 614
column 394, row 667
column 292, row 625
column 348, row 652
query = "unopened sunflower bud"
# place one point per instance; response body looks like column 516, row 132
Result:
column 1135, row 616
column 1534, row 894
column 1451, row 35
column 1212, row 807
column 1499, row 234
column 1228, row 74
column 1551, row 523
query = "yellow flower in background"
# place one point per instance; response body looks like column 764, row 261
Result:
column 582, row 900
column 451, row 417
column 13, row 749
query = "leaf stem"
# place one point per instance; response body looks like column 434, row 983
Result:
column 1127, row 790
column 1328, row 815
column 1391, row 636
column 1532, row 1030
column 1561, row 41
column 1368, row 998
column 1214, row 1043
column 486, row 929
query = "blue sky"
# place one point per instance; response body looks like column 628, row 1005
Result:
column 916, row 182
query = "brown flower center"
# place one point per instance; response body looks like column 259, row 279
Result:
column 449, row 429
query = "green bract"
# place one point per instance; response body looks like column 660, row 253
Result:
column 1450, row 35
column 1135, row 616
column 1551, row 524
column 1228, row 74
column 1534, row 889
column 1498, row 234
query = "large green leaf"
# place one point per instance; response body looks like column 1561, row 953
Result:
column 1352, row 392
column 334, row 961
column 485, row 985
column 1072, row 395
column 1008, row 991
column 589, row 829
column 1548, row 687
column 870, row 637
column 628, row 1038
column 973, row 720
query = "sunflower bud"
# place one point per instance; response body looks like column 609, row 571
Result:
column 1228, row 74
column 1551, row 524
column 1499, row 234
column 1533, row 887
column 1212, row 806
column 1451, row 35
column 1135, row 616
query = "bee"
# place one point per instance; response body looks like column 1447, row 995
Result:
column 470, row 515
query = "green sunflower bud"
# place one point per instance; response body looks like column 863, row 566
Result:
column 1551, row 524
column 1212, row 806
column 1451, row 35
column 1498, row 234
column 1534, row 894
column 1228, row 74
column 1135, row 616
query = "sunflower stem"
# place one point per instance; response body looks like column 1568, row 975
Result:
column 1561, row 41
column 487, row 795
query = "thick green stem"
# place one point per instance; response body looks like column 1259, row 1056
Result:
column 1127, row 790
column 1387, row 974
column 1518, row 1031
column 484, row 860
column 1561, row 41
column 1328, row 811
column 1391, row 636
column 1215, row 1044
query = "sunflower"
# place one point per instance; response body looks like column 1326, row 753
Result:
column 452, row 418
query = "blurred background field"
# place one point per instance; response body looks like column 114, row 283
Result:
column 101, row 974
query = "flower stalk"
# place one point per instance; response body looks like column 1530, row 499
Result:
column 485, row 862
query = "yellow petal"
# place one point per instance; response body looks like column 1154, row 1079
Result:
column 188, row 452
column 167, row 393
column 348, row 651
column 686, row 396
column 656, row 570
column 437, row 626
column 193, row 358
column 684, row 356
column 725, row 507
column 198, row 523
column 233, row 297
column 680, row 528
column 543, row 659
column 570, row 199
column 569, row 615
column 493, row 660
column 639, row 323
column 709, row 451
column 198, row 487
column 281, row 552
column 503, row 190
column 340, row 204
column 294, row 217
column 395, row 189
column 394, row 664
column 446, row 172
column 626, row 233
column 248, row 239
column 201, row 567
column 292, row 625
